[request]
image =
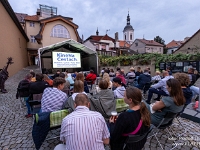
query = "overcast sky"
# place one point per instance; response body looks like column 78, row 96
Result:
column 170, row 19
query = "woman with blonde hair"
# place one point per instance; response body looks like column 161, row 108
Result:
column 107, row 78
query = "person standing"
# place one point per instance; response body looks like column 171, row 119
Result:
column 83, row 129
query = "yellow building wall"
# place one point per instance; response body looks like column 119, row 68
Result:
column 47, row 39
column 32, row 31
column 12, row 43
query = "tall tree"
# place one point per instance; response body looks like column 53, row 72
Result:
column 161, row 41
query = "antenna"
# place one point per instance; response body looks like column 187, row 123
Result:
column 107, row 30
column 143, row 36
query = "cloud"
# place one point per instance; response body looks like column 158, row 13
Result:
column 167, row 18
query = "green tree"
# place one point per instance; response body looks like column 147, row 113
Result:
column 161, row 41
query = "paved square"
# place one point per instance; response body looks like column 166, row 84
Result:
column 15, row 129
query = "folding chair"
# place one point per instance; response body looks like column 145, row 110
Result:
column 137, row 138
column 130, row 81
column 165, row 123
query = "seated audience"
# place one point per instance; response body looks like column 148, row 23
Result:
column 169, row 70
column 123, row 73
column 23, row 91
column 91, row 77
column 80, row 76
column 74, row 75
column 104, row 100
column 78, row 88
column 143, row 79
column 172, row 103
column 53, row 98
column 119, row 91
column 196, row 74
column 33, row 79
column 192, row 76
column 39, row 85
column 128, row 122
column 112, row 73
column 120, row 75
column 159, row 88
column 131, row 73
column 138, row 72
column 56, row 74
column 83, row 129
column 156, row 78
column 107, row 78
column 68, row 77
column 184, row 81
column 66, row 84
column 48, row 80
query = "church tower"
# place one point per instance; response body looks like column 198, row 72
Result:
column 128, row 31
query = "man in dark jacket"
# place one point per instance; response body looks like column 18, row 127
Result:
column 143, row 79
column 38, row 86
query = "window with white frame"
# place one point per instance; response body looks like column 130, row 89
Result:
column 60, row 31
column 32, row 40
column 32, row 24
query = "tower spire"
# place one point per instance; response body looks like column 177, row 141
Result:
column 97, row 32
column 128, row 19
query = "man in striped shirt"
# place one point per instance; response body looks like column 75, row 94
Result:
column 53, row 98
column 83, row 129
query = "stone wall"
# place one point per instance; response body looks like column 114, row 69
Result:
column 135, row 65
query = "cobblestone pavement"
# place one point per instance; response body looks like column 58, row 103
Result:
column 15, row 129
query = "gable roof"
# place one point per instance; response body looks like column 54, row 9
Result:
column 10, row 11
column 123, row 43
column 188, row 40
column 174, row 43
column 100, row 37
column 150, row 42
column 43, row 22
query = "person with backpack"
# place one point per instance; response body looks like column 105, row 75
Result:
column 23, row 92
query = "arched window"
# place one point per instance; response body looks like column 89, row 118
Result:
column 131, row 36
column 125, row 36
column 60, row 31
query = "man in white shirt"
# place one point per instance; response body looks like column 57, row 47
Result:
column 159, row 88
column 83, row 129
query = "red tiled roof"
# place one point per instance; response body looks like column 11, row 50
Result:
column 100, row 37
column 174, row 43
column 150, row 42
column 32, row 18
column 123, row 44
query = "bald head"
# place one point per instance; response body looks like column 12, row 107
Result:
column 81, row 100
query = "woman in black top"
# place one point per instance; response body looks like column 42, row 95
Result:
column 128, row 121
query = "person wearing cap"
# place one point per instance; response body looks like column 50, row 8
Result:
column 119, row 91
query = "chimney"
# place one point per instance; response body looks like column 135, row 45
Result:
column 116, row 37
column 82, row 38
column 38, row 12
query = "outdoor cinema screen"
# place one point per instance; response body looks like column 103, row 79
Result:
column 66, row 60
